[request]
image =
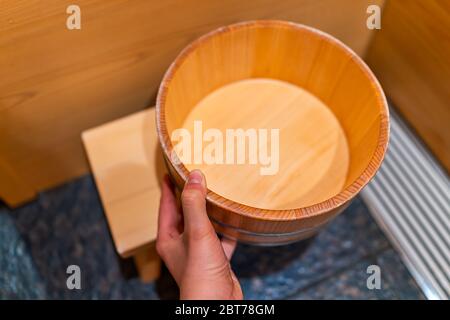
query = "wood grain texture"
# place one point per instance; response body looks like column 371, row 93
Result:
column 13, row 187
column 57, row 83
column 269, row 49
column 411, row 57
column 127, row 165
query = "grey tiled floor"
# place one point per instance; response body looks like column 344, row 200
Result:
column 66, row 226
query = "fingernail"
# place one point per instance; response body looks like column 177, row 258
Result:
column 195, row 177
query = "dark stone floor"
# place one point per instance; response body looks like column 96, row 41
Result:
column 66, row 226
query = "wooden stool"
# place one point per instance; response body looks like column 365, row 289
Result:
column 128, row 168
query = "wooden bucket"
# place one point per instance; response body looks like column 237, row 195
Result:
column 256, row 79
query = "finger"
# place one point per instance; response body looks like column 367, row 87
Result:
column 169, row 217
column 228, row 246
column 193, row 201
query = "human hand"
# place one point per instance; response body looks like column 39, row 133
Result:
column 189, row 246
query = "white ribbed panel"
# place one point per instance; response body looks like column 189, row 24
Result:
column 410, row 200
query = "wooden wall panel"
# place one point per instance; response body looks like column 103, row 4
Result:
column 411, row 57
column 56, row 82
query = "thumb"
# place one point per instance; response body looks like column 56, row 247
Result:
column 196, row 221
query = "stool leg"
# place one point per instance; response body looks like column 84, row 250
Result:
column 148, row 263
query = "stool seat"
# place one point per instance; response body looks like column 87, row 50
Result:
column 128, row 167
